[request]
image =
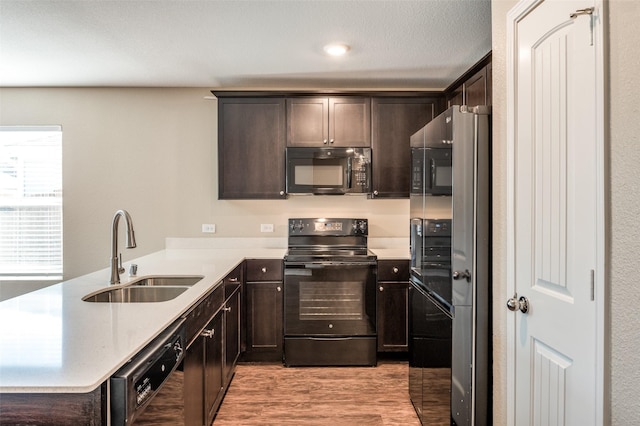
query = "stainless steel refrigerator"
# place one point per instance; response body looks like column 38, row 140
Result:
column 449, row 345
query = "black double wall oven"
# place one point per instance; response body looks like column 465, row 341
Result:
column 329, row 291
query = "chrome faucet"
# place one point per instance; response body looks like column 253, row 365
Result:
column 116, row 261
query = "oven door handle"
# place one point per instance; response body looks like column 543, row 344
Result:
column 322, row 265
column 330, row 339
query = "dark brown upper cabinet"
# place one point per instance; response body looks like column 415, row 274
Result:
column 474, row 87
column 251, row 148
column 333, row 121
column 394, row 120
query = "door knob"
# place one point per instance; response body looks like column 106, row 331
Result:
column 522, row 304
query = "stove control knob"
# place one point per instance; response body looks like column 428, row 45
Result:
column 360, row 227
column 296, row 226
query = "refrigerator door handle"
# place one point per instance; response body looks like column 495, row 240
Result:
column 460, row 275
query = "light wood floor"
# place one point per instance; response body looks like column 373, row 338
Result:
column 276, row 395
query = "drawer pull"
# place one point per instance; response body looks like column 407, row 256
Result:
column 279, row 288
column 264, row 269
column 381, row 288
column 227, row 309
column 208, row 333
column 234, row 280
column 395, row 270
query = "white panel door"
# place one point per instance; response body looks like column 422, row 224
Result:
column 555, row 213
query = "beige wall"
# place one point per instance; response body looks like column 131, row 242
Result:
column 624, row 195
column 499, row 11
column 152, row 151
column 624, row 141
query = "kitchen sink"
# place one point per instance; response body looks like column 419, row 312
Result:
column 158, row 288
column 161, row 281
column 136, row 294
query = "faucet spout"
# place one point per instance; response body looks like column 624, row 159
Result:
column 116, row 264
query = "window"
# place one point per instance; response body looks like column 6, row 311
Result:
column 31, row 202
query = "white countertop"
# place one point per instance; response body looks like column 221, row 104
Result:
column 53, row 341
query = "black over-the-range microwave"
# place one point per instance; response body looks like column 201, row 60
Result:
column 328, row 171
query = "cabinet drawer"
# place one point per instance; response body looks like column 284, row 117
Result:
column 232, row 281
column 198, row 317
column 264, row 270
column 393, row 270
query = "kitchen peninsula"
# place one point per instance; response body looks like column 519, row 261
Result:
column 58, row 351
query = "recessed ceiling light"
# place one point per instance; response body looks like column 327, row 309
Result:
column 337, row 49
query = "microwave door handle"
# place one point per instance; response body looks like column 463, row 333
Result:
column 349, row 167
column 432, row 184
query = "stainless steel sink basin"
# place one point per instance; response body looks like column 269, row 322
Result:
column 135, row 294
column 161, row 281
column 154, row 288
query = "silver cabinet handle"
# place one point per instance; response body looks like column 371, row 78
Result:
column 278, row 288
column 381, row 288
column 325, row 141
column 331, row 140
column 264, row 269
column 375, row 192
column 521, row 304
column 281, row 192
column 227, row 309
column 233, row 280
column 395, row 270
column 208, row 333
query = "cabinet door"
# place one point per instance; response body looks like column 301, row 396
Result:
column 264, row 321
column 213, row 379
column 394, row 121
column 476, row 89
column 393, row 320
column 307, row 121
column 349, row 121
column 456, row 97
column 231, row 335
column 251, row 148
column 323, row 122
column 194, row 383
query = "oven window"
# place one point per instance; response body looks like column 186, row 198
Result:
column 319, row 175
column 331, row 300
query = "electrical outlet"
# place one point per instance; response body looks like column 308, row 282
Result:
column 266, row 227
column 209, row 228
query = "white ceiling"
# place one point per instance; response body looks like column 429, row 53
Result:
column 400, row 44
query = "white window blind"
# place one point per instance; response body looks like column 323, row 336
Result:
column 31, row 202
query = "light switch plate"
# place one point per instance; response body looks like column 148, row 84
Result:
column 266, row 227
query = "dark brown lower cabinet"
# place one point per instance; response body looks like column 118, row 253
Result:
column 393, row 305
column 231, row 351
column 210, row 361
column 203, row 374
column 264, row 310
column 392, row 316
column 213, row 372
column 264, row 321
column 54, row 408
